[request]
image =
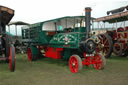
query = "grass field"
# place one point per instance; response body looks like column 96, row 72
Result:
column 56, row 72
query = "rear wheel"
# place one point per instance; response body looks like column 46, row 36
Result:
column 33, row 53
column 75, row 63
column 105, row 46
column 30, row 55
column 12, row 58
column 117, row 49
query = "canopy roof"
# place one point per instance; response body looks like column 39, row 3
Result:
column 6, row 14
column 62, row 20
column 18, row 23
column 118, row 17
column 121, row 9
column 67, row 17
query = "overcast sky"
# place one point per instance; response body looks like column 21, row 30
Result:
column 33, row 11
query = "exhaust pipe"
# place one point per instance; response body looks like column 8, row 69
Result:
column 88, row 45
column 87, row 21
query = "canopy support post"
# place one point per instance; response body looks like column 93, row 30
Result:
column 16, row 29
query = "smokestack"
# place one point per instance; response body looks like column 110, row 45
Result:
column 87, row 20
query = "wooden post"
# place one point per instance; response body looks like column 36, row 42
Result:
column 116, row 25
column 98, row 25
column 9, row 28
column 16, row 29
column 104, row 25
column 92, row 25
column 124, row 24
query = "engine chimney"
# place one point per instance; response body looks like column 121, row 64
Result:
column 87, row 20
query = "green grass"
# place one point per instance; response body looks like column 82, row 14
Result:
column 56, row 72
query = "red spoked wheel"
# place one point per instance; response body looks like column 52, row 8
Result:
column 105, row 46
column 75, row 63
column 12, row 58
column 117, row 49
column 29, row 54
column 99, row 62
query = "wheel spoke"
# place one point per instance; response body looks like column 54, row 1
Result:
column 107, row 47
column 99, row 62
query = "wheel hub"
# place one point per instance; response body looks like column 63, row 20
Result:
column 73, row 64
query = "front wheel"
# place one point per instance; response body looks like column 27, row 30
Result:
column 12, row 58
column 75, row 63
column 99, row 61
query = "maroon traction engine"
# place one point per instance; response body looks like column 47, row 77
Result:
column 115, row 39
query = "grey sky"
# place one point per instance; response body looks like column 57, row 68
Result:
column 32, row 11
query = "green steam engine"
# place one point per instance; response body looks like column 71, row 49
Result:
column 65, row 38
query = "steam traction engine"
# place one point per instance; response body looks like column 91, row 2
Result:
column 116, row 30
column 7, row 51
column 64, row 38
